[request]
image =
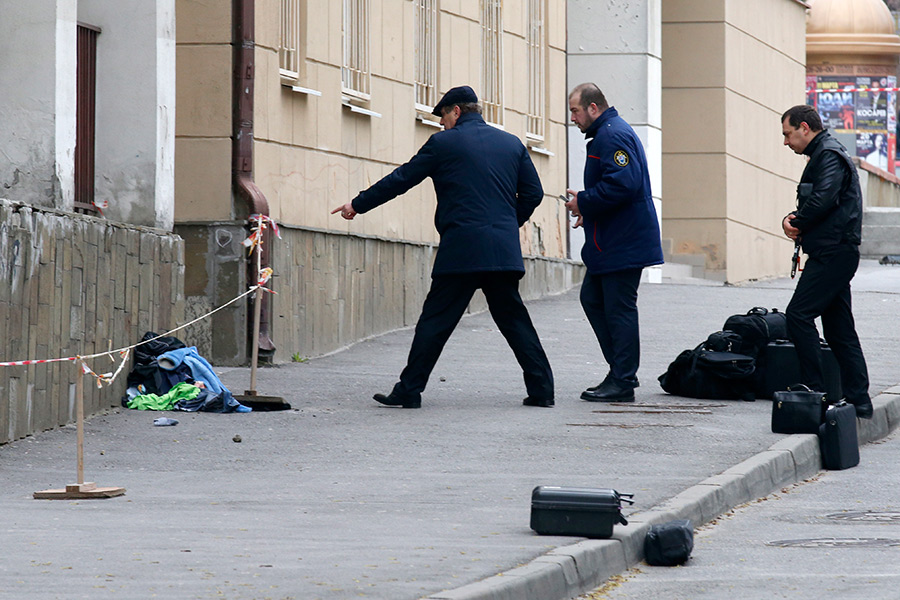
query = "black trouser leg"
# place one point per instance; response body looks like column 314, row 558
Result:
column 444, row 307
column 509, row 313
column 610, row 304
column 824, row 290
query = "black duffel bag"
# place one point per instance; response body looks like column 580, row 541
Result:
column 757, row 328
column 710, row 374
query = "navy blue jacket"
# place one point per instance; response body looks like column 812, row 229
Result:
column 486, row 186
column 621, row 230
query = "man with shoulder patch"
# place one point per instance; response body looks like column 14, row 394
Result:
column 827, row 225
column 621, row 234
column 487, row 188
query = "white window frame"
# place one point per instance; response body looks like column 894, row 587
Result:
column 290, row 53
column 492, row 61
column 537, row 79
column 426, row 49
column 355, row 74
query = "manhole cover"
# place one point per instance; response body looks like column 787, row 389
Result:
column 870, row 516
column 836, row 543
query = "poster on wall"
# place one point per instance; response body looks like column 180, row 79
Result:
column 873, row 148
column 835, row 102
column 871, row 104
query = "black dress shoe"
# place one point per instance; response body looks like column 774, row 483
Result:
column 864, row 411
column 394, row 400
column 610, row 391
column 606, row 380
column 543, row 402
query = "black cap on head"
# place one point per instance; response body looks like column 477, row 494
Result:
column 458, row 95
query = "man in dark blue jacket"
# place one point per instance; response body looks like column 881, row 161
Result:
column 621, row 234
column 828, row 225
column 487, row 187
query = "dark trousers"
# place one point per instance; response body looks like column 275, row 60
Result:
column 824, row 291
column 610, row 304
column 444, row 307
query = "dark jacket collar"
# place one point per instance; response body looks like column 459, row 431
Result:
column 816, row 142
column 469, row 117
column 605, row 116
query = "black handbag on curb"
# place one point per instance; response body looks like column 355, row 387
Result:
column 798, row 410
column 669, row 544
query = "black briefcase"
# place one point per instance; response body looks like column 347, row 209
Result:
column 837, row 437
column 780, row 368
column 585, row 512
column 798, row 410
column 669, row 544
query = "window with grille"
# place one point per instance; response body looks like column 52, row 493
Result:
column 536, row 70
column 290, row 54
column 426, row 54
column 355, row 69
column 492, row 60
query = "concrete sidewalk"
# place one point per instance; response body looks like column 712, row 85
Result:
column 343, row 498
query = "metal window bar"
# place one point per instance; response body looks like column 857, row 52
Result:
column 85, row 119
column 355, row 70
column 492, row 60
column 536, row 70
column 289, row 48
column 426, row 53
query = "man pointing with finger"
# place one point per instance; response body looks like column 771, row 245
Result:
column 487, row 187
column 621, row 234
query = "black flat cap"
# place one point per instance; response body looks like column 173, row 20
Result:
column 457, row 95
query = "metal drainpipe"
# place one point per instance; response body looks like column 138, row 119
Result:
column 246, row 188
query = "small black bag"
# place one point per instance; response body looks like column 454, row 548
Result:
column 798, row 410
column 669, row 544
column 724, row 341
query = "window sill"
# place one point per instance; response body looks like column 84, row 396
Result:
column 302, row 90
column 360, row 110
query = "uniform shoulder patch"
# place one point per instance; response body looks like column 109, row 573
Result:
column 621, row 158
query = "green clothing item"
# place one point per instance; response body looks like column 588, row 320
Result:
column 180, row 391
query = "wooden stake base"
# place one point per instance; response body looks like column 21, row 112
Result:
column 262, row 403
column 79, row 491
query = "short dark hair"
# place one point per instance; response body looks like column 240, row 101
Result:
column 589, row 93
column 464, row 107
column 803, row 113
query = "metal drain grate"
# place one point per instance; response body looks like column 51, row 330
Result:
column 869, row 516
column 836, row 543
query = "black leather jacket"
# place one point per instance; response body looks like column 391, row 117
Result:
column 829, row 200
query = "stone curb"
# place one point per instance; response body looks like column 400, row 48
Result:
column 568, row 571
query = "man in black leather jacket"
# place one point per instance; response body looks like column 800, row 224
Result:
column 827, row 225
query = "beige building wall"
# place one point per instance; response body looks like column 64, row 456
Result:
column 340, row 281
column 728, row 179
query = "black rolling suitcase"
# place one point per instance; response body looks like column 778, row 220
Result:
column 782, row 369
column 585, row 512
column 837, row 437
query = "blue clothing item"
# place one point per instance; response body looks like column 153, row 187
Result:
column 201, row 371
column 621, row 230
column 486, row 186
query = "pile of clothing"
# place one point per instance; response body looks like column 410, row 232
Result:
column 168, row 375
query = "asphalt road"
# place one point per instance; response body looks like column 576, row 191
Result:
column 343, row 498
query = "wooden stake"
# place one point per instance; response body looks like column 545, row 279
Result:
column 81, row 489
